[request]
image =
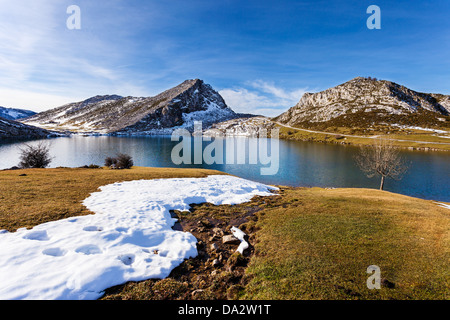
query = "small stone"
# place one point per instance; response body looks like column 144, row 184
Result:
column 197, row 292
column 215, row 262
column 217, row 232
column 214, row 246
column 230, row 239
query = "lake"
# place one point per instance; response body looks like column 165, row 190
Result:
column 299, row 163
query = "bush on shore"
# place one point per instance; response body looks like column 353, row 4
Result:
column 121, row 161
column 37, row 156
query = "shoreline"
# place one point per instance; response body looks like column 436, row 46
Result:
column 329, row 138
column 248, row 129
column 356, row 140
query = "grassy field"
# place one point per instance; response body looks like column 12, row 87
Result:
column 416, row 139
column 306, row 243
column 317, row 244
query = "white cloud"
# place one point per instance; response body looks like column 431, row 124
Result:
column 24, row 28
column 263, row 98
column 289, row 96
column 43, row 64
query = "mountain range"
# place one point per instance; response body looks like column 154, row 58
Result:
column 360, row 102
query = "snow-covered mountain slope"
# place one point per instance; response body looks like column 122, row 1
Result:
column 192, row 100
column 14, row 129
column 181, row 106
column 248, row 127
column 362, row 101
column 15, row 114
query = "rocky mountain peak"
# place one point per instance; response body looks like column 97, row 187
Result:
column 364, row 100
column 100, row 98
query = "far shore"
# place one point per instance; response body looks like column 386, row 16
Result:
column 415, row 140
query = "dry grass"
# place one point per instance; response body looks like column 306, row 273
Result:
column 29, row 197
column 317, row 244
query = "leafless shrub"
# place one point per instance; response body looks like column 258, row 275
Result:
column 37, row 156
column 124, row 161
column 109, row 161
column 121, row 161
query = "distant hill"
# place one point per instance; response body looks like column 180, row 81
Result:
column 15, row 114
column 14, row 129
column 362, row 102
column 177, row 107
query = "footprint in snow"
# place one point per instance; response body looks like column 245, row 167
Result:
column 89, row 249
column 92, row 228
column 40, row 235
column 54, row 252
column 127, row 259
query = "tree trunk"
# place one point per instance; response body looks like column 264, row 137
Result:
column 382, row 183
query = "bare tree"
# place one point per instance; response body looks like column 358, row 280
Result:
column 381, row 158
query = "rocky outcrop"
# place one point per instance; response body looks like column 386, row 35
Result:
column 257, row 126
column 181, row 106
column 362, row 101
column 192, row 100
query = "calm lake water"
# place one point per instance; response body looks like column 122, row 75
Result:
column 300, row 163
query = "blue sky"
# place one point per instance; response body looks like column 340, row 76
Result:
column 260, row 55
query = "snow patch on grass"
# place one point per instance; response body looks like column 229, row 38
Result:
column 443, row 205
column 239, row 234
column 129, row 238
